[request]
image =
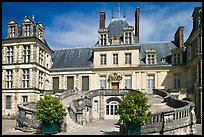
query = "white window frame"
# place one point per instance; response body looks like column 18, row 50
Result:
column 103, row 82
column 40, row 80
column 24, row 99
column 25, row 80
column 9, row 77
column 26, row 53
column 128, row 58
column 103, row 59
column 115, row 58
column 128, row 82
column 10, row 54
column 12, row 31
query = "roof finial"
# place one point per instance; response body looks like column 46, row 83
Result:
column 124, row 14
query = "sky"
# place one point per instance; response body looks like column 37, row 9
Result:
column 76, row 24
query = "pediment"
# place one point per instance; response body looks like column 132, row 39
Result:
column 12, row 21
column 27, row 20
column 40, row 24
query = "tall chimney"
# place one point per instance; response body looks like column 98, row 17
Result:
column 137, row 16
column 102, row 20
column 179, row 37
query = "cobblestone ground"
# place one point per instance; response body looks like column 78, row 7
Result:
column 103, row 127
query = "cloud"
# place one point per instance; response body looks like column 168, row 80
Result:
column 76, row 29
column 72, row 30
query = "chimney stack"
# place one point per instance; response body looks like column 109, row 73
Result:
column 102, row 20
column 179, row 37
column 137, row 16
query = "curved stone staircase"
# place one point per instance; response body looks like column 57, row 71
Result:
column 70, row 124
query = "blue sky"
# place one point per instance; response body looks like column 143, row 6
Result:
column 76, row 24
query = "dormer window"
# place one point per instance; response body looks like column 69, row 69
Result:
column 177, row 58
column 163, row 59
column 128, row 38
column 103, row 39
column 151, row 56
column 27, row 30
column 40, row 34
column 12, row 31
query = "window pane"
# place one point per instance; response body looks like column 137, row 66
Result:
column 8, row 102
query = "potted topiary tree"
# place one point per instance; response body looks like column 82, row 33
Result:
column 134, row 111
column 50, row 113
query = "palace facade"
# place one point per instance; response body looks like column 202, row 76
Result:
column 117, row 61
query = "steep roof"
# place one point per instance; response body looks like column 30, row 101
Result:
column 163, row 50
column 72, row 58
column 115, row 28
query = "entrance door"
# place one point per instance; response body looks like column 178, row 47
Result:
column 115, row 85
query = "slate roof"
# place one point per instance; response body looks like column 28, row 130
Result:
column 72, row 58
column 115, row 28
column 163, row 50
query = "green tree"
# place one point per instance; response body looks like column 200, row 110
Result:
column 49, row 109
column 134, row 108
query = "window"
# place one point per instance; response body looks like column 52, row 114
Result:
column 10, row 55
column 177, row 58
column 103, row 39
column 70, row 82
column 40, row 33
column 8, row 102
column 25, row 78
column 103, row 59
column 24, row 99
column 111, row 108
column 9, row 79
column 85, row 83
column 176, row 81
column 103, row 82
column 115, row 58
column 151, row 82
column 55, row 83
column 150, row 59
column 27, row 30
column 128, row 82
column 12, row 31
column 127, row 58
column 128, row 38
column 26, row 53
column 41, row 56
column 40, row 79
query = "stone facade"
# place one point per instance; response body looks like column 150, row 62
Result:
column 118, row 61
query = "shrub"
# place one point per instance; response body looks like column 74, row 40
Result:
column 49, row 109
column 134, row 108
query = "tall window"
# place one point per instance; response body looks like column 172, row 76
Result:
column 12, row 31
column 26, row 53
column 177, row 58
column 40, row 79
column 176, row 81
column 103, row 59
column 70, row 82
column 10, row 55
column 41, row 56
column 128, row 38
column 103, row 39
column 24, row 99
column 26, row 76
column 85, row 83
column 103, row 82
column 27, row 30
column 150, row 59
column 40, row 33
column 8, row 102
column 9, row 79
column 127, row 58
column 151, row 82
column 128, row 82
column 55, row 83
column 115, row 58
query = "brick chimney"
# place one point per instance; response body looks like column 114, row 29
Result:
column 102, row 20
column 179, row 37
column 137, row 16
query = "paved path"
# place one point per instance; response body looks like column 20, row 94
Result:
column 102, row 127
